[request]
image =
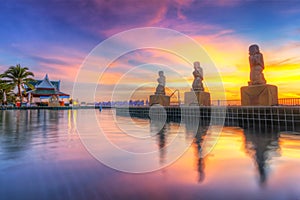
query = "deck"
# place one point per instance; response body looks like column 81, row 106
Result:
column 285, row 118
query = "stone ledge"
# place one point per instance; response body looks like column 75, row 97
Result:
column 197, row 98
column 159, row 99
column 259, row 95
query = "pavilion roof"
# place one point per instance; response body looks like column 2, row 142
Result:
column 46, row 84
column 45, row 88
column 35, row 83
column 43, row 92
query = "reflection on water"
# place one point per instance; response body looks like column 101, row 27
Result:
column 42, row 157
column 160, row 129
column 20, row 128
column 198, row 144
column 262, row 146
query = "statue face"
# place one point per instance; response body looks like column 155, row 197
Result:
column 196, row 65
column 253, row 49
column 160, row 73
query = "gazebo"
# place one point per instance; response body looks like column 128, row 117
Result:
column 47, row 92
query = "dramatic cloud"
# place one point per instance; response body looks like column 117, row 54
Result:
column 55, row 37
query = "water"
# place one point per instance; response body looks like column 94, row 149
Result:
column 42, row 157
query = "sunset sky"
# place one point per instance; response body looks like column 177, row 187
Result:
column 55, row 37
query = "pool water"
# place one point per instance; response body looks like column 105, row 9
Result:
column 43, row 155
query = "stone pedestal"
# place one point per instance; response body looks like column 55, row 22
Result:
column 54, row 104
column 259, row 95
column 197, row 98
column 159, row 99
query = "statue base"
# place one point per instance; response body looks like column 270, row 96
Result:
column 259, row 95
column 53, row 104
column 159, row 99
column 197, row 98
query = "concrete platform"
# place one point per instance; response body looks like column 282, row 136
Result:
column 259, row 95
column 159, row 99
column 197, row 98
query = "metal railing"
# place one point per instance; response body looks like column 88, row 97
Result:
column 281, row 102
column 289, row 101
column 225, row 102
column 178, row 102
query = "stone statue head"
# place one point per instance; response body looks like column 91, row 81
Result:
column 161, row 73
column 253, row 49
column 197, row 65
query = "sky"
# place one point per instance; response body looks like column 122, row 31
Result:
column 56, row 38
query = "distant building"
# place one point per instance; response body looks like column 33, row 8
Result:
column 46, row 91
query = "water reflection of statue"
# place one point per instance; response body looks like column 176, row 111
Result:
column 198, row 77
column 198, row 141
column 261, row 146
column 256, row 66
column 159, row 129
column 160, row 89
column 199, row 131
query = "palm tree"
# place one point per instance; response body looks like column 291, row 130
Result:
column 6, row 93
column 5, row 89
column 18, row 76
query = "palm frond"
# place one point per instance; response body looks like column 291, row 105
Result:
column 18, row 76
